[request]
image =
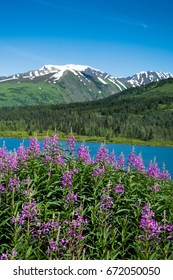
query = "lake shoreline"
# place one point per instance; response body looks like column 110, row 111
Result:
column 84, row 138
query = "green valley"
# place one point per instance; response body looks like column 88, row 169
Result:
column 143, row 114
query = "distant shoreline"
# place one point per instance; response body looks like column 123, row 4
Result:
column 82, row 138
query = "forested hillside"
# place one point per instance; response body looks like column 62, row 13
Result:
column 144, row 113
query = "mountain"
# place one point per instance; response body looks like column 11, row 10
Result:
column 66, row 84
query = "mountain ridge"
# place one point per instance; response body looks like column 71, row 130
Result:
column 75, row 68
column 61, row 84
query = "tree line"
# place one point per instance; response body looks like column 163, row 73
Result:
column 141, row 118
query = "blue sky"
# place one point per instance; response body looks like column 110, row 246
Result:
column 115, row 36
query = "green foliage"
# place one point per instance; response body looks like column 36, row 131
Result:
column 101, row 223
column 144, row 113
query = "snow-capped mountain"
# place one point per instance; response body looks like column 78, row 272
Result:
column 144, row 78
column 53, row 84
column 53, row 73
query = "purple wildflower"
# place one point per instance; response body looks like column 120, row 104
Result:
column 98, row 172
column 63, row 243
column 46, row 144
column 7, row 255
column 106, row 202
column 155, row 188
column 153, row 170
column 54, row 140
column 12, row 161
column 150, row 226
column 120, row 161
column 164, row 175
column 75, row 227
column 169, row 227
column 71, row 198
column 119, row 189
column 2, row 188
column 14, row 183
column 47, row 227
column 102, row 155
column 34, row 147
column 112, row 157
column 67, row 179
column 52, row 244
column 83, row 154
column 28, row 192
column 136, row 161
column 14, row 252
column 29, row 211
column 71, row 143
column 4, row 256
column 59, row 159
column 21, row 153
column 3, row 152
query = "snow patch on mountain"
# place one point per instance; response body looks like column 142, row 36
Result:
column 102, row 81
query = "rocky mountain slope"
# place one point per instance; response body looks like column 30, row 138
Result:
column 66, row 84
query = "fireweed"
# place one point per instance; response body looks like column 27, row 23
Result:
column 55, row 205
column 154, row 233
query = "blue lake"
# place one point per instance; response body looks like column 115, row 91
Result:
column 163, row 155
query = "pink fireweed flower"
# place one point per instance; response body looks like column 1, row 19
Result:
column 53, row 245
column 50, row 144
column 106, row 202
column 102, row 155
column 83, row 154
column 29, row 211
column 59, row 159
column 98, row 172
column 3, row 152
column 119, row 189
column 112, row 157
column 47, row 158
column 14, row 183
column 12, row 161
column 2, row 165
column 46, row 228
column 54, row 140
column 2, row 189
column 67, row 179
column 34, row 147
column 71, row 143
column 120, row 162
column 153, row 170
column 164, row 175
column 76, row 227
column 21, row 153
column 71, row 198
column 26, row 181
column 169, row 227
column 46, row 144
column 28, row 193
column 14, row 251
column 136, row 161
column 155, row 188
column 150, row 226
column 7, row 255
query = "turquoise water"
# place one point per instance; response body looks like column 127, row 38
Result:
column 163, row 155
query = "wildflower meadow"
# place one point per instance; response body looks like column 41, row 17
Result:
column 55, row 205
